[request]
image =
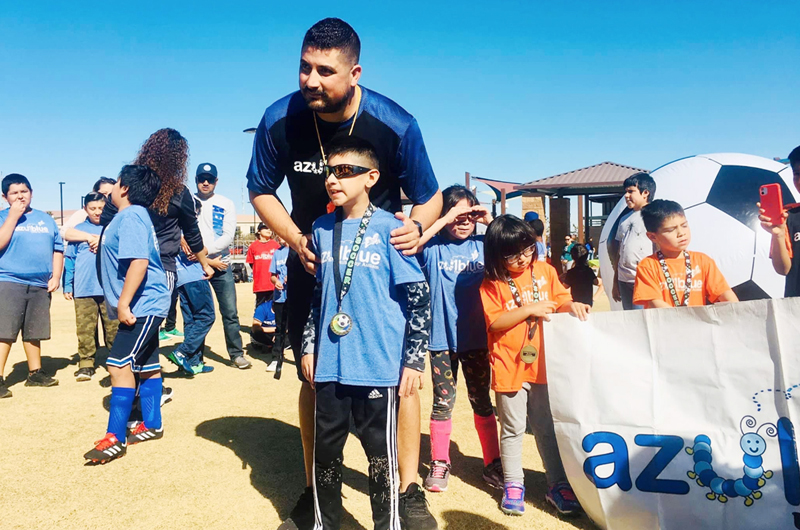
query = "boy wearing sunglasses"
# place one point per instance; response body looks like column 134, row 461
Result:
column 366, row 337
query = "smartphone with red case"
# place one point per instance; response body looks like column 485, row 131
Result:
column 772, row 202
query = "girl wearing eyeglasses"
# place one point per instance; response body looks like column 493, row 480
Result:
column 518, row 294
column 452, row 259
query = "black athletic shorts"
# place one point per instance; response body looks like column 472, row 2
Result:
column 137, row 345
column 299, row 290
column 26, row 308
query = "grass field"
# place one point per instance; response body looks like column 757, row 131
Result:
column 230, row 457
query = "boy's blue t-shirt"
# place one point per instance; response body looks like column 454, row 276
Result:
column 130, row 235
column 28, row 257
column 187, row 271
column 278, row 268
column 454, row 269
column 372, row 353
column 264, row 314
column 80, row 266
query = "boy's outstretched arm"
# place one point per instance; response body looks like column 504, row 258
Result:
column 310, row 336
column 418, row 331
column 133, row 279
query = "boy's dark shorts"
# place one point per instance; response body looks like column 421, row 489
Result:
column 137, row 346
column 24, row 307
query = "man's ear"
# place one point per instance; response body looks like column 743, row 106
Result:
column 355, row 74
column 372, row 178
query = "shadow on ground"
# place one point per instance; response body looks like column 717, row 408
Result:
column 51, row 366
column 456, row 520
column 272, row 450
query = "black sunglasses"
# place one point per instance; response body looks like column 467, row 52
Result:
column 206, row 178
column 343, row 171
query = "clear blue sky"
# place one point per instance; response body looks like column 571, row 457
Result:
column 506, row 90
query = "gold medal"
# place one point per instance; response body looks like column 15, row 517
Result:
column 341, row 324
column 529, row 354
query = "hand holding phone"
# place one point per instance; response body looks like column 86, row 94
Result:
column 771, row 203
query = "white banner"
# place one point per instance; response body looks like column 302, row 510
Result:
column 680, row 418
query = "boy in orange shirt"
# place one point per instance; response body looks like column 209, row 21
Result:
column 518, row 292
column 674, row 276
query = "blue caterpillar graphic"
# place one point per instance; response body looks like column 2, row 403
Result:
column 753, row 445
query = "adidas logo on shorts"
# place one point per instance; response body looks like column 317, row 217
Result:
column 374, row 394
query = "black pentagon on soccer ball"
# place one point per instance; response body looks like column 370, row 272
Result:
column 735, row 192
column 749, row 291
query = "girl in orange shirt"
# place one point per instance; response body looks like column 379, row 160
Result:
column 518, row 293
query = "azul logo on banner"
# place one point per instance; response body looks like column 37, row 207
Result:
column 716, row 487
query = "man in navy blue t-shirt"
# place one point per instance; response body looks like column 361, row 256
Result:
column 289, row 143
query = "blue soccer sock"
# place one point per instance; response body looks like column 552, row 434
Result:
column 150, row 398
column 119, row 411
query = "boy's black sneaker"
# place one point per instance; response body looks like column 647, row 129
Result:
column 302, row 515
column 106, row 450
column 414, row 513
column 4, row 391
column 84, row 374
column 39, row 378
column 140, row 433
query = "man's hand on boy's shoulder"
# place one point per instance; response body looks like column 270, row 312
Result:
column 405, row 238
column 410, row 382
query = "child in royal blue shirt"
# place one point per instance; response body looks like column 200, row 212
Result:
column 136, row 292
column 278, row 272
column 453, row 263
column 366, row 335
column 31, row 259
column 83, row 287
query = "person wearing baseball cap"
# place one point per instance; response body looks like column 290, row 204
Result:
column 217, row 221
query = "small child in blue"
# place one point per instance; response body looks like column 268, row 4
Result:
column 278, row 272
column 264, row 323
column 31, row 259
column 453, row 263
column 136, row 292
column 83, row 287
column 366, row 335
column 197, row 308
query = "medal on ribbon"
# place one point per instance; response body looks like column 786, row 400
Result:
column 529, row 353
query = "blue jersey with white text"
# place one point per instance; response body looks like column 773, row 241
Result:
column 129, row 236
column 278, row 267
column 80, row 265
column 28, row 257
column 454, row 269
column 264, row 314
column 372, row 353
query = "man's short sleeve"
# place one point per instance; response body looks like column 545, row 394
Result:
column 647, row 286
column 135, row 240
column 264, row 176
column 416, row 173
column 58, row 242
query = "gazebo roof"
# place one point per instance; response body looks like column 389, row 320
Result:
column 498, row 186
column 606, row 177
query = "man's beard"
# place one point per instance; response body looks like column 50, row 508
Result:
column 323, row 104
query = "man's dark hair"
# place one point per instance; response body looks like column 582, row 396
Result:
column 101, row 181
column 347, row 145
column 507, row 235
column 334, row 33
column 794, row 156
column 538, row 226
column 14, row 178
column 93, row 196
column 658, row 211
column 644, row 182
column 142, row 182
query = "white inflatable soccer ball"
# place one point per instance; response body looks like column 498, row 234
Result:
column 719, row 194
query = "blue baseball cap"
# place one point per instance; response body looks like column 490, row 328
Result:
column 530, row 216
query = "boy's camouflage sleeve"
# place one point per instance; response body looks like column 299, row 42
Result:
column 418, row 328
column 312, row 324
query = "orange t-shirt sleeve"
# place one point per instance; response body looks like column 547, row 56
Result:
column 647, row 286
column 493, row 303
column 714, row 282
